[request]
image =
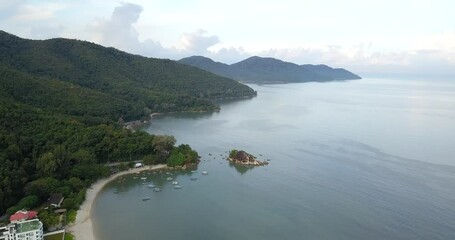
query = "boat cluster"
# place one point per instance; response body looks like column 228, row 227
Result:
column 169, row 178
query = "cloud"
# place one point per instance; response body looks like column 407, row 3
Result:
column 46, row 31
column 118, row 31
column 228, row 54
column 196, row 43
column 428, row 54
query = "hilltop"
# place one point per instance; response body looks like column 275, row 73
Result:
column 79, row 78
column 270, row 70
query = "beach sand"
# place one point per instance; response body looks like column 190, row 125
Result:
column 82, row 229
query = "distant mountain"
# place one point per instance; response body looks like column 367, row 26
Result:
column 335, row 73
column 81, row 78
column 270, row 70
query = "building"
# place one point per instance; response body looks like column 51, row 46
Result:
column 55, row 200
column 4, row 233
column 24, row 225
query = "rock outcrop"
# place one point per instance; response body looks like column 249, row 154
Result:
column 244, row 158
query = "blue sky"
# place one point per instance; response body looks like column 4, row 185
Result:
column 400, row 37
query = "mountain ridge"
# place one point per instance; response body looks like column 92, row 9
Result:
column 132, row 81
column 262, row 70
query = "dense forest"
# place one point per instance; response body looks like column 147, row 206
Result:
column 60, row 104
column 81, row 78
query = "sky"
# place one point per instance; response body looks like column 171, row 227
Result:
column 414, row 38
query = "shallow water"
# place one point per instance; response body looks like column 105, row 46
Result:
column 366, row 159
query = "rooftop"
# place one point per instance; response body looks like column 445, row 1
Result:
column 28, row 226
column 23, row 215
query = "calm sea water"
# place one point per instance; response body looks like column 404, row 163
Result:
column 367, row 159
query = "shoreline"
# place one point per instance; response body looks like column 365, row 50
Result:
column 82, row 228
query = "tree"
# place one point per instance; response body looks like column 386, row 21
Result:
column 163, row 145
column 46, row 165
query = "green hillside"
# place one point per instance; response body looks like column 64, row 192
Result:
column 60, row 101
column 135, row 85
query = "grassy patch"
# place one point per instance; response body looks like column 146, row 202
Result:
column 58, row 236
column 71, row 216
column 69, row 236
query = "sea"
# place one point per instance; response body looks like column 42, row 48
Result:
column 363, row 159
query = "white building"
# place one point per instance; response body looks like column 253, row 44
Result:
column 4, row 233
column 24, row 225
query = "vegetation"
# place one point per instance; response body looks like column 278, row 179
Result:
column 58, row 236
column 80, row 78
column 182, row 155
column 69, row 236
column 232, row 153
column 269, row 70
column 60, row 101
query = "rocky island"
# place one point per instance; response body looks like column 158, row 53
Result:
column 243, row 158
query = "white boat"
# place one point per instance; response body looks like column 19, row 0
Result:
column 177, row 187
column 175, row 183
column 205, row 173
column 169, row 178
column 157, row 189
column 151, row 186
column 143, row 178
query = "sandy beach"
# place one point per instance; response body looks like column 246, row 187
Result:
column 82, row 229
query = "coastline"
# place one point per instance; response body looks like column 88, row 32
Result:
column 82, row 228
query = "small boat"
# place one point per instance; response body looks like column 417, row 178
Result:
column 169, row 179
column 151, row 186
column 143, row 178
column 146, row 198
column 177, row 187
column 193, row 178
column 205, row 173
column 175, row 183
column 157, row 189
column 193, row 171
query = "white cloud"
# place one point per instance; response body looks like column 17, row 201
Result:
column 229, row 54
column 29, row 12
column 197, row 43
column 119, row 31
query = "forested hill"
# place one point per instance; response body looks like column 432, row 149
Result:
column 270, row 70
column 60, row 101
column 52, row 73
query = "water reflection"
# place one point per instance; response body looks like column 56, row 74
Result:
column 242, row 169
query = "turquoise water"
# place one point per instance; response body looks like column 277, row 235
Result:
column 366, row 159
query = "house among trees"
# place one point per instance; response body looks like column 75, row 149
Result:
column 23, row 225
column 56, row 200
